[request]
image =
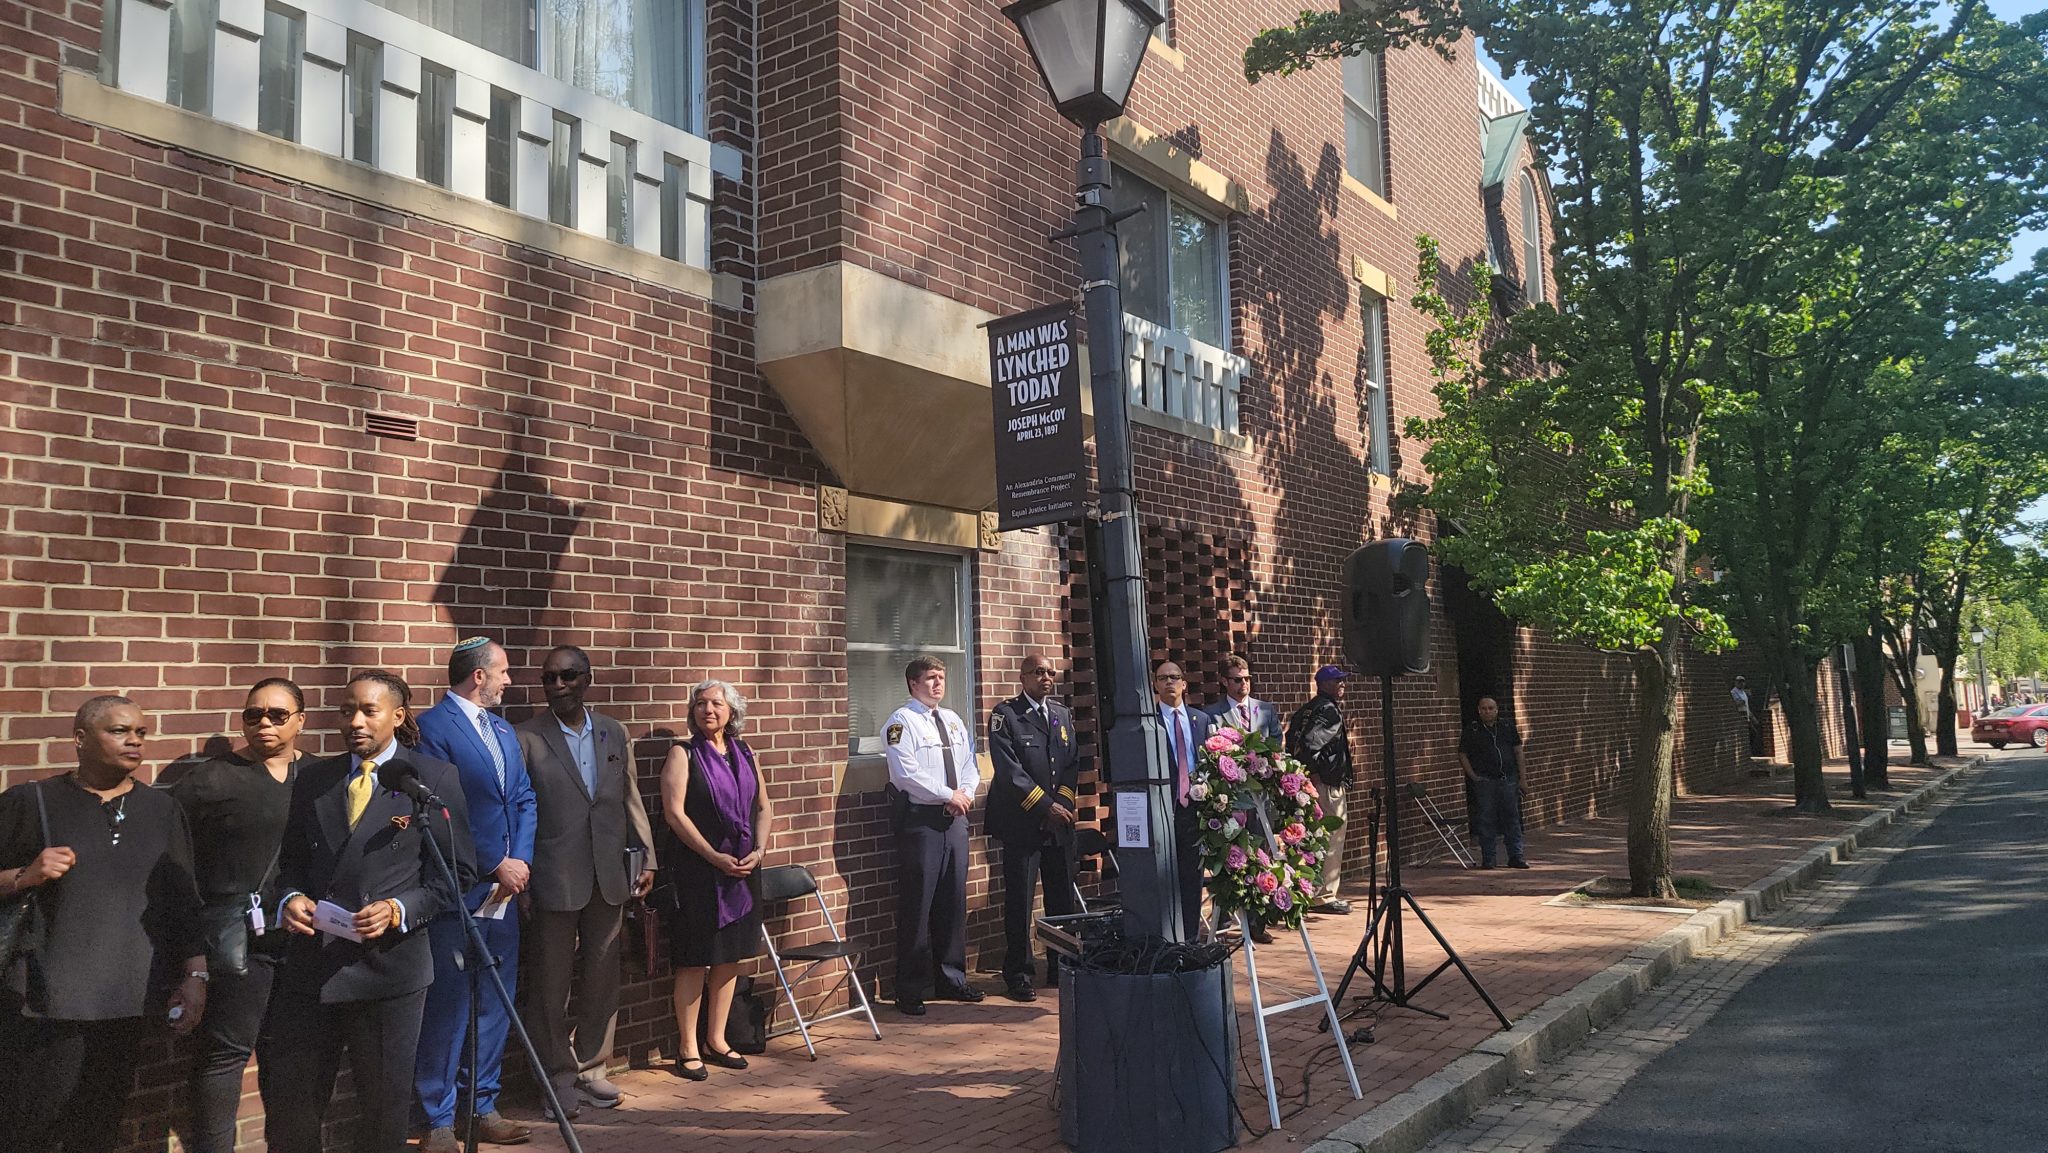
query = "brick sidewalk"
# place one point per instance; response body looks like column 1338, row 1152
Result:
column 977, row 1077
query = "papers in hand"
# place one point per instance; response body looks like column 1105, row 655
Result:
column 495, row 903
column 335, row 921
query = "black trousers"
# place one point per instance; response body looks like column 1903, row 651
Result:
column 1187, row 847
column 234, row 1019
column 931, row 900
column 62, row 1083
column 300, row 1054
column 1024, row 862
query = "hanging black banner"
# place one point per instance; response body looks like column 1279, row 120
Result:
column 1035, row 377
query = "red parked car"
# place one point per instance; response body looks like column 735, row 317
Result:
column 2018, row 725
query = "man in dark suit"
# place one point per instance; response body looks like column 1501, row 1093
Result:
column 350, row 843
column 1031, row 805
column 590, row 817
column 463, row 731
column 1239, row 708
column 1186, row 728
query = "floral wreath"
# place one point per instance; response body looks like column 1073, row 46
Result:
column 1238, row 770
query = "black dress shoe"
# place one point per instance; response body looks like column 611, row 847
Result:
column 910, row 1008
column 1336, row 906
column 1488, row 865
column 958, row 993
column 724, row 1060
column 1018, row 988
column 683, row 1069
column 1518, row 863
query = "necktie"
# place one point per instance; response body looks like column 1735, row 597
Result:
column 1244, row 714
column 359, row 787
column 946, row 746
column 1182, row 740
column 483, row 728
column 586, row 757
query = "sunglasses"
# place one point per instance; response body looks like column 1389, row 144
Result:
column 254, row 716
column 562, row 678
column 1240, row 676
column 1172, row 677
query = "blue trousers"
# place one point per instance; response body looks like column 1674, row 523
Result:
column 1498, row 813
column 441, row 1067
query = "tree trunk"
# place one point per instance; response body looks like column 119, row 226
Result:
column 1901, row 662
column 1802, row 720
column 1945, row 711
column 1650, row 778
column 1872, row 715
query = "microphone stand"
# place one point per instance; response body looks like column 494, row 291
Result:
column 478, row 956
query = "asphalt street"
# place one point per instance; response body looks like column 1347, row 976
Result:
column 1915, row 1022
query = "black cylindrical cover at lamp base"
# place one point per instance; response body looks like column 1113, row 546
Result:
column 1148, row 1061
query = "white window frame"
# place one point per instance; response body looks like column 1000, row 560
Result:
column 1532, row 242
column 1378, row 409
column 1374, row 175
column 959, row 661
column 1177, row 203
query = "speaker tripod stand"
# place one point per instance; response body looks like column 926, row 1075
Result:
column 1380, row 948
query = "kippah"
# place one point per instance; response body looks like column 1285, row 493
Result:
column 469, row 643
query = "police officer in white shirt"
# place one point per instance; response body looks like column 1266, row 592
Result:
column 932, row 780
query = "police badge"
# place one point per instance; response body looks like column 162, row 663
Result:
column 894, row 735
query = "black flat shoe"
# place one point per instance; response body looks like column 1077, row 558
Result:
column 1518, row 863
column 683, row 1070
column 958, row 993
column 725, row 1060
column 910, row 1008
column 1019, row 989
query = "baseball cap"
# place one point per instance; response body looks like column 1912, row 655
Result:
column 1331, row 673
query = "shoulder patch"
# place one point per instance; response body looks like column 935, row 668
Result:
column 995, row 724
column 894, row 735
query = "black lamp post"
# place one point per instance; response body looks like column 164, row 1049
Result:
column 1088, row 52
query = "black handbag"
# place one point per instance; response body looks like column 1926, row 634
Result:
column 21, row 920
column 746, row 1027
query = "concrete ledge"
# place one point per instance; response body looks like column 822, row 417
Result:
column 1447, row 1098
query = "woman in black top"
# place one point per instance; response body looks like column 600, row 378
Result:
column 121, row 911
column 236, row 806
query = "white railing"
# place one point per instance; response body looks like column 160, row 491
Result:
column 660, row 152
column 1173, row 373
column 1494, row 98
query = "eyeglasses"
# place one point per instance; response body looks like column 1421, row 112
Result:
column 1239, row 677
column 254, row 716
column 563, row 678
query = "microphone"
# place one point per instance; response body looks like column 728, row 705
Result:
column 398, row 775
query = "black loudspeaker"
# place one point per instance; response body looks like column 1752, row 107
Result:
column 1386, row 608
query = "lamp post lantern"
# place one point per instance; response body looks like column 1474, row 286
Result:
column 1088, row 53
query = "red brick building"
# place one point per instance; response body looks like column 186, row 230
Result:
column 335, row 331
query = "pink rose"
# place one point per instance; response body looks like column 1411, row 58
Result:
column 1234, row 859
column 1230, row 769
column 1294, row 833
column 1264, row 860
column 1226, row 732
column 1304, row 886
column 1291, row 783
column 1217, row 742
column 1267, row 882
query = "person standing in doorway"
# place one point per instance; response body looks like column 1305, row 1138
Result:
column 1317, row 737
column 932, row 781
column 484, row 749
column 1031, row 803
column 1239, row 708
column 1491, row 754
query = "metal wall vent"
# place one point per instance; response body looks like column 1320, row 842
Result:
column 383, row 424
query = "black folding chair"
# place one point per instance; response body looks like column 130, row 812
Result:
column 789, row 883
column 1095, row 843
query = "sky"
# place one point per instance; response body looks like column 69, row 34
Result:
column 2024, row 246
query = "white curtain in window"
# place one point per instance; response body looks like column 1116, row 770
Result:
column 639, row 53
column 501, row 27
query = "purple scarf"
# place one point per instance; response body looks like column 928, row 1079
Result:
column 731, row 784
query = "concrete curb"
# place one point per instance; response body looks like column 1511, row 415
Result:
column 1448, row 1097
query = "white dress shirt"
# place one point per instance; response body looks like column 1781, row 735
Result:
column 917, row 760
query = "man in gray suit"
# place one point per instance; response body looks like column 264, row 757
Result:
column 1239, row 708
column 591, row 820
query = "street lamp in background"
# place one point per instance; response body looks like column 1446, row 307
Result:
column 1088, row 52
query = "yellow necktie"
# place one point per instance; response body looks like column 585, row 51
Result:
column 359, row 791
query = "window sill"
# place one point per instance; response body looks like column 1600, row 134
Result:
column 1357, row 188
column 1172, row 57
column 83, row 97
column 1228, row 441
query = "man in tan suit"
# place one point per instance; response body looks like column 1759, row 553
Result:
column 592, row 830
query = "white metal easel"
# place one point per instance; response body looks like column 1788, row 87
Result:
column 1260, row 1011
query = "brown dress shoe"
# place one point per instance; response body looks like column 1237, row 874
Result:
column 441, row 1140
column 497, row 1129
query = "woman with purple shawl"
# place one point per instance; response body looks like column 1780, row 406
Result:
column 716, row 803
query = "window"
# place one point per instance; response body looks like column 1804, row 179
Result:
column 638, row 53
column 1172, row 261
column 1532, row 242
column 1365, row 127
column 192, row 25
column 437, row 118
column 618, row 207
column 501, row 27
column 277, row 73
column 901, row 603
column 365, row 78
column 1379, row 416
column 1163, row 31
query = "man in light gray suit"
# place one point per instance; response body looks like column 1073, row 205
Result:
column 590, row 819
column 1239, row 708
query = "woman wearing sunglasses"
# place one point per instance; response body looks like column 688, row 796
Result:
column 236, row 806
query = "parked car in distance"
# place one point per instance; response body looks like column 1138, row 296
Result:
column 2017, row 725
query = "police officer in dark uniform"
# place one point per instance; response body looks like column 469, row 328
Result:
column 1031, row 807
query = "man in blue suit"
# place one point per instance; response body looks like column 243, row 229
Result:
column 1239, row 708
column 1186, row 728
column 485, row 751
